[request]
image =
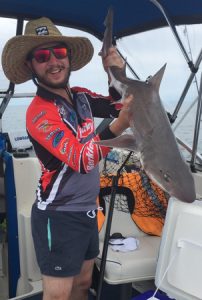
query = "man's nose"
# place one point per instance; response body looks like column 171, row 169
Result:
column 52, row 57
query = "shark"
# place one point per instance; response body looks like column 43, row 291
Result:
column 151, row 136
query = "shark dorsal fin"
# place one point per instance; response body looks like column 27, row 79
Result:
column 156, row 79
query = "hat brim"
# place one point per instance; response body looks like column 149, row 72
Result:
column 15, row 53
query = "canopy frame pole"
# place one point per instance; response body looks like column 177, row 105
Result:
column 172, row 27
column 186, row 88
column 194, row 69
column 197, row 129
column 11, row 88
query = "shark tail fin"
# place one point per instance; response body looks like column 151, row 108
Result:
column 107, row 39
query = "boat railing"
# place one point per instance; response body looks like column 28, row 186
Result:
column 17, row 95
column 187, row 147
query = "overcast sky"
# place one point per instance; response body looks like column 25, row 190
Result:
column 146, row 53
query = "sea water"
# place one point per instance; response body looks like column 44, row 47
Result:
column 14, row 120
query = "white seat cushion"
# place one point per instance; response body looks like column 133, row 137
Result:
column 131, row 266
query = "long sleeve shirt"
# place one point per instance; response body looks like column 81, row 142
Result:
column 63, row 137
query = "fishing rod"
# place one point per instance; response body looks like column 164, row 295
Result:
column 128, row 65
column 108, row 226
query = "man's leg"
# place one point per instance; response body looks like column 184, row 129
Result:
column 82, row 282
column 60, row 288
column 57, row 288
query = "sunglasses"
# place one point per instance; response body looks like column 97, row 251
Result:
column 43, row 55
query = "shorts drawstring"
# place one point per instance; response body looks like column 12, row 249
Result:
column 92, row 213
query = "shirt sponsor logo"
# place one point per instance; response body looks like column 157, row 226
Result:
column 57, row 138
column 37, row 117
column 86, row 129
column 64, row 145
column 70, row 153
column 90, row 156
column 74, row 160
column 44, row 126
column 84, row 107
column 62, row 110
column 52, row 133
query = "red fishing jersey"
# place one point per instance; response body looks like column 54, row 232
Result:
column 63, row 137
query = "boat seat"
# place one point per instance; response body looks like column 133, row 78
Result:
column 26, row 175
column 179, row 269
column 128, row 267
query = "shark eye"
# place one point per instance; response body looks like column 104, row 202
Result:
column 166, row 176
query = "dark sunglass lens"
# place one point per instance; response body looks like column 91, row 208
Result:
column 42, row 55
column 60, row 53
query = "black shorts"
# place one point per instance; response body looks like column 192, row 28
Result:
column 63, row 240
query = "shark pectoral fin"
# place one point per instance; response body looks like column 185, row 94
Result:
column 125, row 141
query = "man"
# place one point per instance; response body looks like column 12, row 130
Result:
column 60, row 125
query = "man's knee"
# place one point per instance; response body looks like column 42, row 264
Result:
column 83, row 282
column 57, row 288
column 55, row 294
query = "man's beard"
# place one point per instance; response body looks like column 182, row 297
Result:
column 50, row 84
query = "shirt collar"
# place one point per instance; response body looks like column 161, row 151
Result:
column 46, row 94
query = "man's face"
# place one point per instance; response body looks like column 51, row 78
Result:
column 51, row 71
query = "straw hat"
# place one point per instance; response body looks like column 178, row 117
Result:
column 39, row 32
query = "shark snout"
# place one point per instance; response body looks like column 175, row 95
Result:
column 185, row 192
column 178, row 185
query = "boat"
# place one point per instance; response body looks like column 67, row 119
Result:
column 170, row 264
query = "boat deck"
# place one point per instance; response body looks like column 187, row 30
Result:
column 109, row 292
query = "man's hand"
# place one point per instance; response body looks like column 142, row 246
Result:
column 123, row 120
column 112, row 59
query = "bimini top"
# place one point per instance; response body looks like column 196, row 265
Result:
column 130, row 16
